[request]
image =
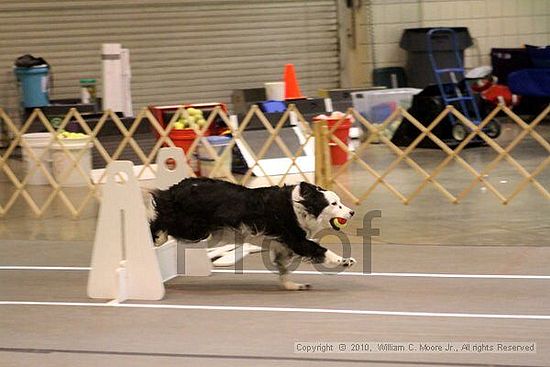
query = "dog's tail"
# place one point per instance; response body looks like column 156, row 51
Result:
column 149, row 201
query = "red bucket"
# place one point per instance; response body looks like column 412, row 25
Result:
column 184, row 138
column 338, row 156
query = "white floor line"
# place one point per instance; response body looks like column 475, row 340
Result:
column 46, row 268
column 413, row 275
column 314, row 272
column 282, row 309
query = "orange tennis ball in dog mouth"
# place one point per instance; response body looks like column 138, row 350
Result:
column 338, row 223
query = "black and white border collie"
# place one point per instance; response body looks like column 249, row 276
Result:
column 290, row 216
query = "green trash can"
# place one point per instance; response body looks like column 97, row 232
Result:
column 389, row 77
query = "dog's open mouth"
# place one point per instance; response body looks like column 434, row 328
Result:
column 338, row 222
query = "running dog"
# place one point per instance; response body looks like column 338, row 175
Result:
column 290, row 216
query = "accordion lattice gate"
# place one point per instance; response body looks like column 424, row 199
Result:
column 319, row 133
column 332, row 178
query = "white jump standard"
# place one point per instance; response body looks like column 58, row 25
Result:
column 125, row 262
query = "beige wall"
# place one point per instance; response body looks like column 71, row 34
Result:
column 492, row 23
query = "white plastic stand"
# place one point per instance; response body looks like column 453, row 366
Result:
column 125, row 263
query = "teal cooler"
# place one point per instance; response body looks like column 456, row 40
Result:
column 34, row 85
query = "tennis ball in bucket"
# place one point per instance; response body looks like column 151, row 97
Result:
column 70, row 135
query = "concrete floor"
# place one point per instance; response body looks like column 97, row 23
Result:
column 473, row 272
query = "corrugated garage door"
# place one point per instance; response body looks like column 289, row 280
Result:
column 181, row 51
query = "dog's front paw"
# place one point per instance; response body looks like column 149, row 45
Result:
column 335, row 260
column 348, row 262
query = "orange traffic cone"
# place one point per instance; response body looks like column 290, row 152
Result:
column 292, row 89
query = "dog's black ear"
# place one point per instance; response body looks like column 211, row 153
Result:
column 307, row 186
column 313, row 199
column 307, row 189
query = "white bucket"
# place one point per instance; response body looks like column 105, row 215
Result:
column 207, row 163
column 38, row 143
column 65, row 171
column 275, row 91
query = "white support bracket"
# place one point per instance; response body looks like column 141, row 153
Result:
column 180, row 259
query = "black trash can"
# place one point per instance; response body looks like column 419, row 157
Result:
column 415, row 41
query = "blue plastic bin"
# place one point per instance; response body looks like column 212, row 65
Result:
column 34, row 85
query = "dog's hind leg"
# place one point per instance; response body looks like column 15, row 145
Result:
column 282, row 256
column 159, row 235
